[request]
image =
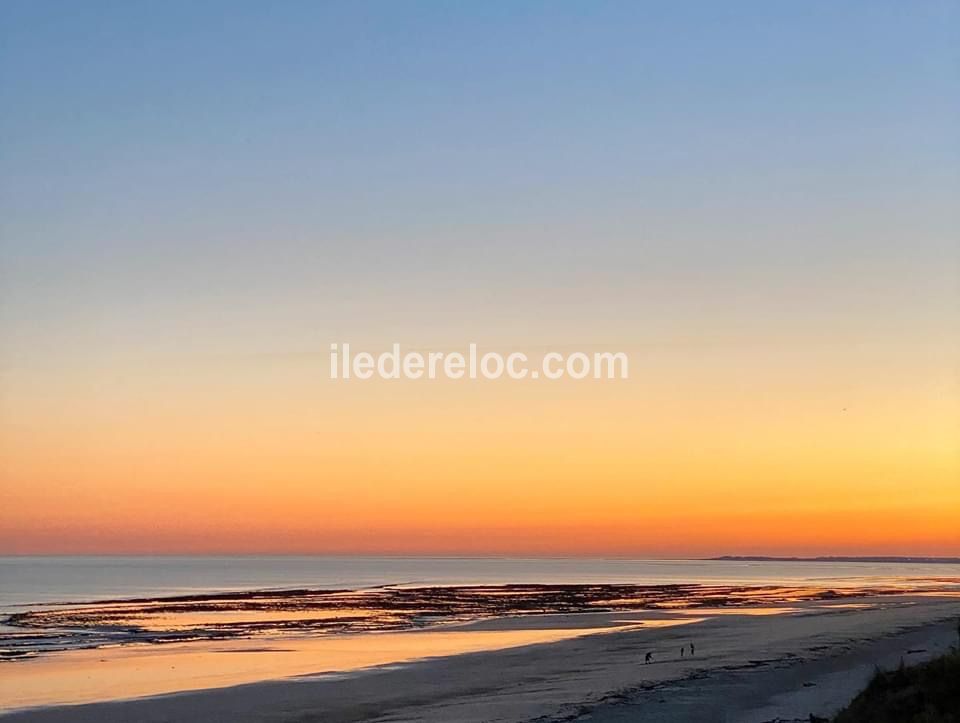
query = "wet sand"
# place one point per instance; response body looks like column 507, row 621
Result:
column 89, row 675
column 748, row 667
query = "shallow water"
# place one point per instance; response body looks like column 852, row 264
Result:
column 80, row 676
column 51, row 628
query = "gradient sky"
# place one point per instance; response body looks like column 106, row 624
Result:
column 757, row 201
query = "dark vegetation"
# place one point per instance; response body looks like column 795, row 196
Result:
column 925, row 693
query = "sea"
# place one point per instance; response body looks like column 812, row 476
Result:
column 29, row 581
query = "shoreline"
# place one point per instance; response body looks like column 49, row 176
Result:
column 597, row 676
column 55, row 628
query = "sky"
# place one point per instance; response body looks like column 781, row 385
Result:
column 757, row 201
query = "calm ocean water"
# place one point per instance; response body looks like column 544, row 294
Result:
column 26, row 581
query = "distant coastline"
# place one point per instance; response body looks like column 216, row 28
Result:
column 764, row 558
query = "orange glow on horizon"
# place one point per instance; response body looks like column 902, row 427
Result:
column 670, row 470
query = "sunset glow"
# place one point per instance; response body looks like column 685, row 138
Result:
column 768, row 232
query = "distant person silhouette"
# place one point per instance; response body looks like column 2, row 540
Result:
column 693, row 650
column 682, row 649
column 648, row 658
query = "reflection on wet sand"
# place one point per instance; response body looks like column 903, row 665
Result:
column 80, row 676
column 324, row 612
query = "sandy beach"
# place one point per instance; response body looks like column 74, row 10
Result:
column 761, row 663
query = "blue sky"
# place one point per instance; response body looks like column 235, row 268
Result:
column 192, row 160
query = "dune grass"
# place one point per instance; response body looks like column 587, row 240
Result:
column 925, row 693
